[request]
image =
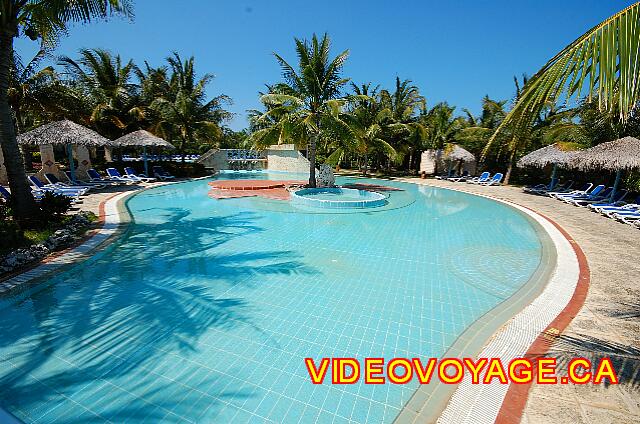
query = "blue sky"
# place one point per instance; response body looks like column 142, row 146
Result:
column 455, row 51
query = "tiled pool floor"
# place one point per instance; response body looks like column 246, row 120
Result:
column 205, row 309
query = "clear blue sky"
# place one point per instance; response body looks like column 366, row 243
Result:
column 456, row 51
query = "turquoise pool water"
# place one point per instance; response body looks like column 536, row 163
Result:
column 204, row 310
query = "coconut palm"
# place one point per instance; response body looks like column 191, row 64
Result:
column 44, row 21
column 360, row 129
column 306, row 104
column 183, row 111
column 604, row 62
column 102, row 84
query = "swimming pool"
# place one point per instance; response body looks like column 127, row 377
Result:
column 204, row 310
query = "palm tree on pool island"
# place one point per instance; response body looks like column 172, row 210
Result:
column 308, row 101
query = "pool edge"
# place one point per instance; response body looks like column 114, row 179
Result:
column 505, row 403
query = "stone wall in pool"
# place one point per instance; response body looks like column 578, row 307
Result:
column 284, row 157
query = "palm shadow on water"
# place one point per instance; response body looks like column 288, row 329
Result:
column 159, row 295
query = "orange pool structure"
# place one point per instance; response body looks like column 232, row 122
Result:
column 269, row 189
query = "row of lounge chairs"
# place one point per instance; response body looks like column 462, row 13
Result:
column 75, row 190
column 155, row 158
column 597, row 198
column 484, row 179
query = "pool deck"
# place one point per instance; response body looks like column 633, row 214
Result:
column 608, row 324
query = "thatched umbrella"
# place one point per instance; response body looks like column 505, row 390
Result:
column 558, row 154
column 144, row 139
column 67, row 133
column 618, row 155
column 454, row 153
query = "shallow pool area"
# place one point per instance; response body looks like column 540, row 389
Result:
column 338, row 198
column 204, row 310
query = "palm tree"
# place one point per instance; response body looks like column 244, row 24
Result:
column 306, row 103
column 407, row 134
column 362, row 126
column 101, row 83
column 184, row 110
column 44, row 21
column 605, row 60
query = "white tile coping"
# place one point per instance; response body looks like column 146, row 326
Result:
column 481, row 403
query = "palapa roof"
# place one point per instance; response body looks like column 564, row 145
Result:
column 456, row 153
column 63, row 132
column 142, row 138
column 557, row 153
column 621, row 154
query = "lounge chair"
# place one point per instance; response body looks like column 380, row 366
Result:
column 618, row 200
column 56, row 182
column 541, row 187
column 72, row 191
column 593, row 194
column 130, row 172
column 584, row 190
column 115, row 175
column 160, row 173
column 482, row 178
column 619, row 204
column 495, row 180
column 91, row 184
column 463, row 177
column 39, row 188
column 627, row 217
column 95, row 177
column 598, row 198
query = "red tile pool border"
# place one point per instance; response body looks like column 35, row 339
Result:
column 515, row 401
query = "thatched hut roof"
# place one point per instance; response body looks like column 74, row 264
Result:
column 621, row 154
column 142, row 138
column 63, row 132
column 555, row 154
column 457, row 153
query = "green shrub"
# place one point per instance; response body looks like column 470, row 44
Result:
column 10, row 233
column 54, row 206
column 187, row 169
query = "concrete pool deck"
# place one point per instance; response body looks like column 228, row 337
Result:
column 608, row 324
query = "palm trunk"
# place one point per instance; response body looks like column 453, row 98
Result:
column 23, row 204
column 512, row 159
column 366, row 164
column 312, row 160
column 410, row 160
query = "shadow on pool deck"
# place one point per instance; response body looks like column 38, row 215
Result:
column 89, row 327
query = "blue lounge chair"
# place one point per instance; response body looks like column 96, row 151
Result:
column 495, row 180
column 593, row 194
column 627, row 217
column 130, row 172
column 601, row 207
column 463, row 177
column 160, row 173
column 618, row 200
column 542, row 187
column 585, row 188
column 115, row 175
column 482, row 178
column 92, row 184
column 598, row 198
column 56, row 182
column 96, row 177
column 67, row 191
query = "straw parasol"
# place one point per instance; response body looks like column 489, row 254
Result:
column 144, row 139
column 67, row 133
column 556, row 154
column 454, row 153
column 618, row 155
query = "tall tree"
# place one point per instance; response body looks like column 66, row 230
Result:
column 43, row 20
column 184, row 110
column 103, row 85
column 308, row 101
